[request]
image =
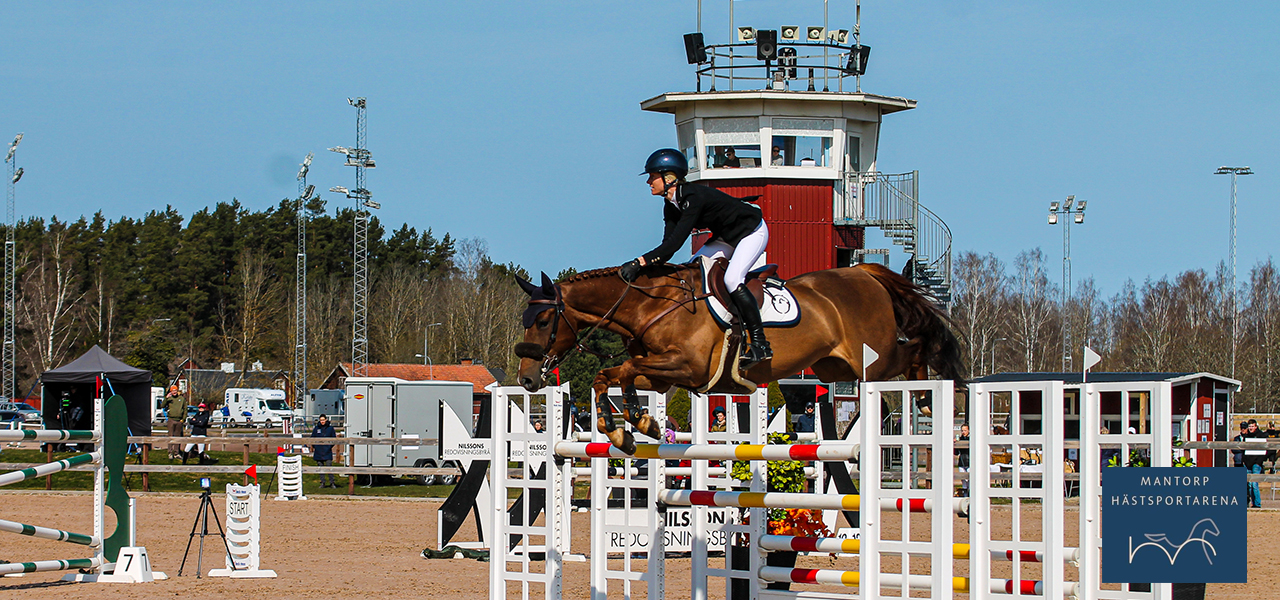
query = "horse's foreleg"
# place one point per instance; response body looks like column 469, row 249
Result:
column 642, row 421
column 605, row 422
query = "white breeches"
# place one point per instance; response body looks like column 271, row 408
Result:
column 748, row 255
column 195, row 445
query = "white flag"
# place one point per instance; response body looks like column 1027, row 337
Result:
column 1090, row 358
column 869, row 356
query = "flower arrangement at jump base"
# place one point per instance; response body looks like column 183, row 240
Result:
column 785, row 476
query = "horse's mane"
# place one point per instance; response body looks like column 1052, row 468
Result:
column 656, row 271
column 594, row 274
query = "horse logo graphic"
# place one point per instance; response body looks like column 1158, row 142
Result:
column 781, row 303
column 1160, row 541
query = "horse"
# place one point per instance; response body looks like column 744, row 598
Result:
column 673, row 340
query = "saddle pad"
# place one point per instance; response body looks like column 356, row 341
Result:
column 780, row 308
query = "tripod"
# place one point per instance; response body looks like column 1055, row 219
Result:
column 202, row 523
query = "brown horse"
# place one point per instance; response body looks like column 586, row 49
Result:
column 674, row 340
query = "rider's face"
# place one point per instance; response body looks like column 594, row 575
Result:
column 656, row 186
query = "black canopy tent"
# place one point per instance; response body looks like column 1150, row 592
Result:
column 78, row 379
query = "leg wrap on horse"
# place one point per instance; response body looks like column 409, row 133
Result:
column 605, row 412
column 759, row 349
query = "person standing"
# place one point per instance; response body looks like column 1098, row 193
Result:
column 175, row 410
column 324, row 453
column 962, row 460
column 718, row 420
column 804, row 423
column 1253, row 461
column 199, row 428
column 1237, row 455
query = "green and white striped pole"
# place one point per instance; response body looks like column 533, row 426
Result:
column 47, row 533
column 49, row 468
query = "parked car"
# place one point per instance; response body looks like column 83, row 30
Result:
column 29, row 414
column 11, row 419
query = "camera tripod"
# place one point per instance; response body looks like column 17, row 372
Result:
column 202, row 523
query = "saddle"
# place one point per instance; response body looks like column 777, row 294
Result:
column 755, row 281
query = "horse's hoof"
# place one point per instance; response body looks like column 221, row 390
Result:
column 627, row 444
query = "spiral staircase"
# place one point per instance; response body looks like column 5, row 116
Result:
column 889, row 202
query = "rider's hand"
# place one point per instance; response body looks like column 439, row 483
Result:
column 630, row 271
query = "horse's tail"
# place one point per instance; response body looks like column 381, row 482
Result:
column 920, row 318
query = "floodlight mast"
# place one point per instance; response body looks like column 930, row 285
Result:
column 7, row 371
column 1233, row 172
column 300, row 296
column 1070, row 211
column 360, row 158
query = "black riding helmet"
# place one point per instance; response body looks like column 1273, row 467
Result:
column 667, row 160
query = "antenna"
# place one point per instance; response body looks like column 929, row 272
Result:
column 857, row 42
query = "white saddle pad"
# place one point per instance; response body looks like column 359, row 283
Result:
column 780, row 308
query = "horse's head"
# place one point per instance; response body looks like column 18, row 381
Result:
column 548, row 336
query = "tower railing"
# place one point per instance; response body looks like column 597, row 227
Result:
column 889, row 202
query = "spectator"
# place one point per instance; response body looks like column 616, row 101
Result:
column 1253, row 461
column 324, row 453
column 804, row 423
column 776, row 158
column 1272, row 433
column 962, row 460
column 538, row 427
column 199, row 428
column 175, row 410
column 731, row 160
column 1106, row 455
column 718, row 424
column 1237, row 455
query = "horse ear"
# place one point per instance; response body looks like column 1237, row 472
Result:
column 548, row 286
column 528, row 288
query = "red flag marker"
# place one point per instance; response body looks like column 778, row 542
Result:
column 557, row 372
column 281, row 450
column 818, row 391
column 252, row 471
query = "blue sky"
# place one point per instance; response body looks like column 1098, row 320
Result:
column 519, row 122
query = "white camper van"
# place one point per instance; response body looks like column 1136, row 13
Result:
column 252, row 407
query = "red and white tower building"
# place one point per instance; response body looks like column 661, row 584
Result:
column 783, row 117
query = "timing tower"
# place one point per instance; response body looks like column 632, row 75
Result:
column 779, row 113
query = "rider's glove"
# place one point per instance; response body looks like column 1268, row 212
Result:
column 630, row 271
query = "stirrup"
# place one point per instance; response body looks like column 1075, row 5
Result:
column 753, row 355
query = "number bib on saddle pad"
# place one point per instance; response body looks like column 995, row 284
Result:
column 779, row 309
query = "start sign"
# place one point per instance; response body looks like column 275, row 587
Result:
column 1173, row 525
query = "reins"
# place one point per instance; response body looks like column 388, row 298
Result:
column 550, row 361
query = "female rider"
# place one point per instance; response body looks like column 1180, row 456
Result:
column 737, row 230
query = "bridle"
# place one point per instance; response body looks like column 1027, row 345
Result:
column 550, row 361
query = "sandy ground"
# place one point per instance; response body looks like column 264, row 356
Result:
column 371, row 549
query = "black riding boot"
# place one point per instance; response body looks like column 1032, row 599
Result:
column 758, row 351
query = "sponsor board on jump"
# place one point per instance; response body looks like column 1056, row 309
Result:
column 678, row 533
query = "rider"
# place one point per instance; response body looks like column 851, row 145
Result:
column 738, row 232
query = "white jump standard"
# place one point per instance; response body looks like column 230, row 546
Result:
column 905, row 477
column 109, row 437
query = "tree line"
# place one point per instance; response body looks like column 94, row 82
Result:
column 1013, row 318
column 219, row 286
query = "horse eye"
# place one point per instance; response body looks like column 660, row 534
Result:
column 543, row 324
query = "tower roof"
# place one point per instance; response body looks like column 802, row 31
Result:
column 670, row 101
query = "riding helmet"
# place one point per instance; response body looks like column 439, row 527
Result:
column 667, row 160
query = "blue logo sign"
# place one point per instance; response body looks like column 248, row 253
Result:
column 1173, row 525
